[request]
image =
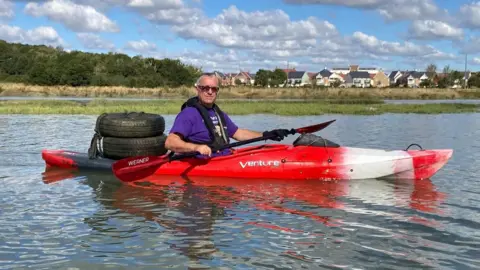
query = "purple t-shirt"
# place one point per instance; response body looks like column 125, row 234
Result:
column 189, row 123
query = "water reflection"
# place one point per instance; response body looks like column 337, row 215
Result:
column 201, row 217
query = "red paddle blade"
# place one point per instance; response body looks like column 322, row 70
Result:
column 314, row 128
column 135, row 168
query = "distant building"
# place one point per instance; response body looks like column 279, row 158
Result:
column 298, row 78
column 353, row 68
column 360, row 79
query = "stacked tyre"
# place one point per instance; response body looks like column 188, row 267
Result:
column 131, row 134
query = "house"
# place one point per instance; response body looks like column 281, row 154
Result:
column 334, row 78
column 380, row 80
column 458, row 83
column 288, row 70
column 394, row 76
column 412, row 78
column 370, row 70
column 245, row 78
column 222, row 78
column 312, row 77
column 323, row 77
column 298, row 78
column 353, row 68
column 358, row 79
column 437, row 77
column 342, row 70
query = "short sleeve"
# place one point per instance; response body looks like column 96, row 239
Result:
column 183, row 123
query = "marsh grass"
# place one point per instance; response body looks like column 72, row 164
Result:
column 292, row 108
column 243, row 92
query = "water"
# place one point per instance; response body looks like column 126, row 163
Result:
column 77, row 220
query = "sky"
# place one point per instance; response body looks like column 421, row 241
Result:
column 248, row 35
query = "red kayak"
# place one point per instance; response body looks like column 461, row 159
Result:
column 281, row 161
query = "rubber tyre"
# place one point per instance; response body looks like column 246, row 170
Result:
column 130, row 125
column 118, row 148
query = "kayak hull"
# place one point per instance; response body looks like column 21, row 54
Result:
column 279, row 161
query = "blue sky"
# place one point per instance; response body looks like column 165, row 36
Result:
column 233, row 35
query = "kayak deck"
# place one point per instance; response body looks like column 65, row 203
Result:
column 282, row 161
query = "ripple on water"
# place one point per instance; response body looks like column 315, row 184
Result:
column 63, row 219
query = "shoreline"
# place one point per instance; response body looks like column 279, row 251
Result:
column 233, row 107
column 239, row 92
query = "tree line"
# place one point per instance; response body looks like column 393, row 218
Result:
column 44, row 65
column 448, row 77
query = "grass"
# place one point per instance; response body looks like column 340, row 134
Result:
column 244, row 92
column 295, row 108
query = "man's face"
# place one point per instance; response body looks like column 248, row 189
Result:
column 207, row 90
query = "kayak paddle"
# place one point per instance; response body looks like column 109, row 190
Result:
column 135, row 168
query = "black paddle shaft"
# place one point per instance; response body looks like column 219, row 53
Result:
column 235, row 144
column 309, row 129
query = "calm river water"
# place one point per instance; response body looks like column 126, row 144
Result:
column 82, row 220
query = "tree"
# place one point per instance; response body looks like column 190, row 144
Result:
column 446, row 80
column 262, row 77
column 336, row 83
column 426, row 83
column 456, row 77
column 270, row 78
column 45, row 65
column 474, row 81
column 278, row 77
column 443, row 82
column 431, row 71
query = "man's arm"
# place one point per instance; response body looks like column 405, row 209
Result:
column 175, row 144
column 245, row 134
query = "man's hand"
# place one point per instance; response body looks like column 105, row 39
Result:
column 278, row 134
column 203, row 149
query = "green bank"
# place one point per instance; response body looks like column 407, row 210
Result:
column 289, row 108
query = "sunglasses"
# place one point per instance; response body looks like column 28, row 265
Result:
column 205, row 88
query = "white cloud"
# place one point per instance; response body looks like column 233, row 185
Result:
column 99, row 5
column 272, row 30
column 158, row 4
column 141, row 46
column 469, row 15
column 174, row 16
column 379, row 47
column 263, row 39
column 476, row 61
column 409, row 9
column 431, row 30
column 231, row 61
column 471, row 46
column 94, row 41
column 79, row 18
column 41, row 35
column 268, row 38
column 328, row 61
column 350, row 3
column 6, row 9
column 438, row 56
column 390, row 9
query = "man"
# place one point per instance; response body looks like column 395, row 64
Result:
column 201, row 125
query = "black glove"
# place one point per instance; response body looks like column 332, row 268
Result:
column 277, row 134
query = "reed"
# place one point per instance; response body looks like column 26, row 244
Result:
column 291, row 108
column 243, row 92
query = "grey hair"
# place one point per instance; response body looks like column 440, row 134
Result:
column 211, row 75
